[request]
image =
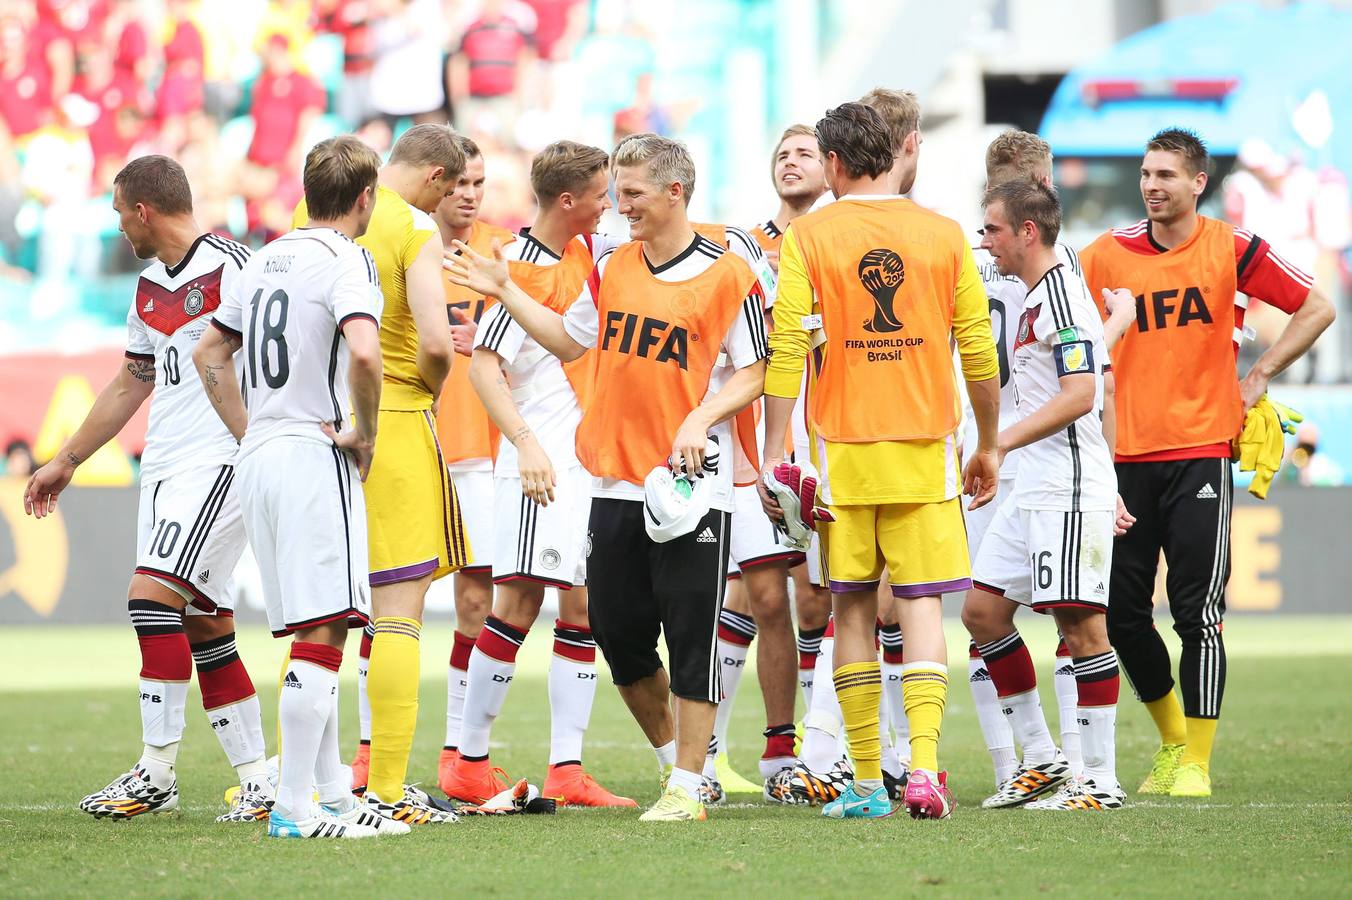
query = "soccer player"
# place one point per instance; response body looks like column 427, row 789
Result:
column 469, row 442
column 892, row 284
column 542, row 493
column 189, row 534
column 305, row 311
column 1017, row 156
column 1050, row 543
column 664, row 307
column 1179, row 405
column 757, row 594
column 415, row 532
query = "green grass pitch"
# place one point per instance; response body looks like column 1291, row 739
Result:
column 1279, row 823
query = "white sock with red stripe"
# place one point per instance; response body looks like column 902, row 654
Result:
column 572, row 688
column 735, row 634
column 363, row 701
column 491, row 668
column 898, row 753
column 822, row 726
column 1067, row 702
column 1099, row 681
column 303, row 712
column 457, row 682
column 991, row 717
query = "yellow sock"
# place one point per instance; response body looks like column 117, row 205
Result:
column 1197, row 748
column 859, row 688
column 924, row 690
column 1168, row 715
column 392, row 688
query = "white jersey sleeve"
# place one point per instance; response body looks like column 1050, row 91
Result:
column 746, row 342
column 138, row 339
column 499, row 332
column 746, row 247
column 582, row 321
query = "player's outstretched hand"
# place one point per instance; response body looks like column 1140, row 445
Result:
column 463, row 331
column 485, row 275
column 1119, row 303
column 769, row 502
column 1123, row 520
column 352, row 443
column 47, row 483
column 981, row 477
column 537, row 473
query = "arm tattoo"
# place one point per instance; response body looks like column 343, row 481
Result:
column 142, row 370
column 73, row 459
column 213, row 384
column 519, row 434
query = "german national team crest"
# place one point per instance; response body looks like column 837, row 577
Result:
column 550, row 559
column 1024, row 336
column 193, row 303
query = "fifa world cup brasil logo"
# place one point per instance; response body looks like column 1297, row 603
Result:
column 881, row 272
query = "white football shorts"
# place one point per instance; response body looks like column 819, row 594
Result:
column 190, row 536
column 545, row 544
column 1047, row 559
column 754, row 539
column 474, row 491
column 305, row 515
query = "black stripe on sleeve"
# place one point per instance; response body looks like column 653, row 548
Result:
column 357, row 315
column 497, row 329
column 226, row 329
column 237, row 252
column 132, row 354
column 1060, row 300
column 753, row 312
column 1249, row 253
column 753, row 249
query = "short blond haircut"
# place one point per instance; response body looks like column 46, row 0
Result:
column 336, row 172
column 430, row 145
column 468, row 147
column 899, row 109
column 1017, row 156
column 564, row 167
column 668, row 160
column 795, row 130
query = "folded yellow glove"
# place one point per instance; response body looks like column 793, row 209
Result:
column 1261, row 446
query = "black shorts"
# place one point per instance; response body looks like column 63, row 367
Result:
column 638, row 589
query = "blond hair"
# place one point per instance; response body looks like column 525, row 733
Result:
column 1018, row 156
column 564, row 167
column 795, row 130
column 430, row 145
column 336, row 173
column 668, row 160
column 900, row 111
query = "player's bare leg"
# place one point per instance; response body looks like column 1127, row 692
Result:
column 768, row 591
column 650, row 703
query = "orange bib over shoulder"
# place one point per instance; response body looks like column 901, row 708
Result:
column 656, row 348
column 885, row 273
column 1175, row 369
column 556, row 287
column 463, row 427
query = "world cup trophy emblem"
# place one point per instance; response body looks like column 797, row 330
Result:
column 881, row 272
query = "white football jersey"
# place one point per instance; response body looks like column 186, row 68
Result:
column 1005, row 294
column 169, row 313
column 288, row 308
column 541, row 390
column 744, row 345
column 1060, row 333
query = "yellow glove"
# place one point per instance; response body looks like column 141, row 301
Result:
column 1261, row 446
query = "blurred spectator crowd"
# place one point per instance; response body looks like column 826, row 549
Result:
column 238, row 90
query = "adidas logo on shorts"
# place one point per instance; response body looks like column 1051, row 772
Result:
column 204, row 576
column 1207, row 492
column 706, row 536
